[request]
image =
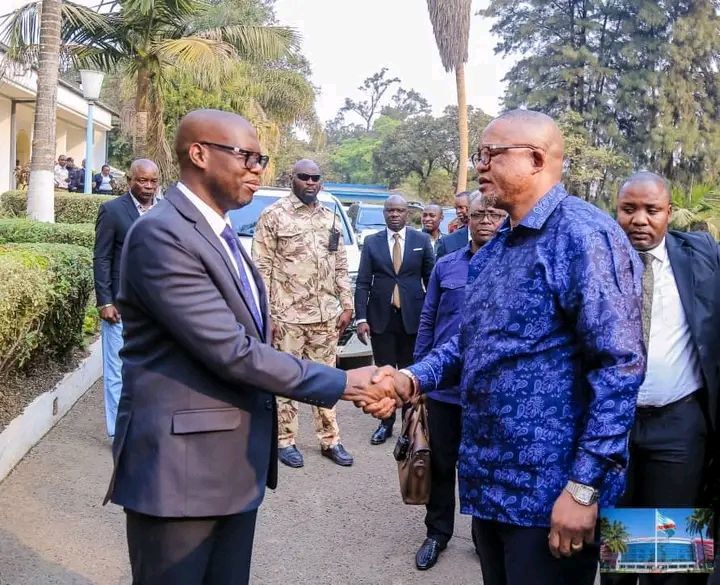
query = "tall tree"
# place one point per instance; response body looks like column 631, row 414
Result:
column 642, row 75
column 373, row 88
column 405, row 103
column 451, row 25
column 41, row 190
column 147, row 39
column 415, row 147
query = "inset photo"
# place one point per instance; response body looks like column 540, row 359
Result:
column 654, row 540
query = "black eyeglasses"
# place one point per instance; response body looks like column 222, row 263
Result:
column 493, row 216
column 306, row 177
column 252, row 159
column 487, row 151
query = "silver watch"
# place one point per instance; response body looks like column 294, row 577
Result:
column 583, row 494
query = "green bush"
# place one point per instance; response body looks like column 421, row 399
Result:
column 69, row 207
column 44, row 293
column 25, row 231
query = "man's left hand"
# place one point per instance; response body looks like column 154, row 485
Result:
column 343, row 321
column 571, row 526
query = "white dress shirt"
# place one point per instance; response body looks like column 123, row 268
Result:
column 391, row 241
column 142, row 210
column 217, row 225
column 673, row 366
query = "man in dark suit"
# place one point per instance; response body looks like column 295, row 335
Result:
column 461, row 236
column 196, row 433
column 113, row 222
column 675, row 432
column 395, row 268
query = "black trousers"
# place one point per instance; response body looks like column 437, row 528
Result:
column 393, row 347
column 513, row 555
column 666, row 470
column 445, row 426
column 190, row 551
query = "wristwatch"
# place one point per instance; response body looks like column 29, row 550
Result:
column 584, row 495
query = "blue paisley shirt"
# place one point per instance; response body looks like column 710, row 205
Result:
column 549, row 359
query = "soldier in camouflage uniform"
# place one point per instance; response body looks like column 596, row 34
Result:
column 298, row 249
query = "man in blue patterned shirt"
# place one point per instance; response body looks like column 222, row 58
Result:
column 549, row 359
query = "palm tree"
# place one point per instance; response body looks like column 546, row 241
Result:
column 614, row 536
column 147, row 39
column 699, row 523
column 451, row 25
column 699, row 204
column 41, row 187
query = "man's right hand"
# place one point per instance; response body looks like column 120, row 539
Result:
column 110, row 314
column 363, row 332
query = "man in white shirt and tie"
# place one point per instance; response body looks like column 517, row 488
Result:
column 395, row 268
column 675, row 432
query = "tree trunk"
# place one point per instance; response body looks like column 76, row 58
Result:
column 140, row 134
column 463, row 130
column 41, row 187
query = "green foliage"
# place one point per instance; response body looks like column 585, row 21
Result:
column 696, row 209
column 33, row 232
column 351, row 159
column 373, row 89
column 421, row 146
column 615, row 535
column 642, row 76
column 588, row 168
column 69, row 207
column 43, row 296
column 149, row 40
column 438, row 188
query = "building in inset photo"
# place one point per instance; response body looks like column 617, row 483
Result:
column 649, row 540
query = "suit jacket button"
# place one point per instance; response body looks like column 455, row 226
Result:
column 269, row 404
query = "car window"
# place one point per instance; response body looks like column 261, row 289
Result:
column 245, row 219
column 370, row 217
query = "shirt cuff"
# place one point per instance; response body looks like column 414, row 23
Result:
column 425, row 375
column 602, row 473
column 360, row 321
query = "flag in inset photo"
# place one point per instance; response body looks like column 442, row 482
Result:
column 664, row 524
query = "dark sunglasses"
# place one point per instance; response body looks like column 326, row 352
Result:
column 252, row 159
column 306, row 177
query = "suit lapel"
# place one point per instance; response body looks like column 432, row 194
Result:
column 407, row 249
column 184, row 206
column 681, row 260
column 385, row 249
column 129, row 205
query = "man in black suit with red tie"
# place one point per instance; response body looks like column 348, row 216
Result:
column 395, row 268
column 196, row 434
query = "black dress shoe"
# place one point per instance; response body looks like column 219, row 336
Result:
column 427, row 555
column 382, row 434
column 338, row 455
column 290, row 456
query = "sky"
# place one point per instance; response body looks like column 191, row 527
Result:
column 640, row 521
column 349, row 40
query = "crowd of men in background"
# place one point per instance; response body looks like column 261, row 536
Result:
column 608, row 332
column 68, row 177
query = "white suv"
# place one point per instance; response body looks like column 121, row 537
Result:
column 351, row 352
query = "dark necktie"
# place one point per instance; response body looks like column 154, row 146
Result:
column 648, row 287
column 397, row 262
column 231, row 239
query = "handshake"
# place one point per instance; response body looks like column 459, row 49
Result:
column 378, row 391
